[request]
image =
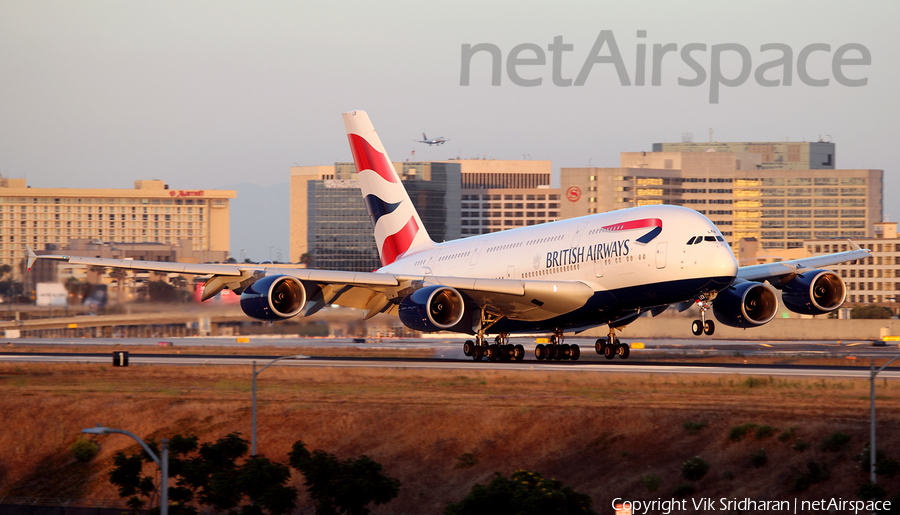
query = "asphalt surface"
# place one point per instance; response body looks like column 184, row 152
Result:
column 448, row 355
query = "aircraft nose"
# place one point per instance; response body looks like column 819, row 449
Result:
column 724, row 263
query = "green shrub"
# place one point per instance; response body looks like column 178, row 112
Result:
column 764, row 432
column 759, row 458
column 815, row 473
column 466, row 460
column 692, row 427
column 787, row 434
column 800, row 482
column 868, row 491
column 522, row 492
column 801, row 445
column 739, row 432
column 835, row 442
column 871, row 311
column 694, row 469
column 684, row 490
column 84, row 450
column 651, row 482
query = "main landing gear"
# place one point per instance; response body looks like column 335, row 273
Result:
column 703, row 326
column 611, row 347
column 500, row 350
column 556, row 349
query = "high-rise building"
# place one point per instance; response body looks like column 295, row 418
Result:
column 774, row 155
column 874, row 280
column 779, row 207
column 47, row 218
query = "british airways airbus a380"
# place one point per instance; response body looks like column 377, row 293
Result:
column 564, row 276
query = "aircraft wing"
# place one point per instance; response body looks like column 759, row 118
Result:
column 771, row 271
column 372, row 291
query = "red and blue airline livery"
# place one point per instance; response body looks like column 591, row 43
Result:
column 560, row 277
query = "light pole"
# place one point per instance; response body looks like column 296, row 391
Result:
column 163, row 463
column 253, row 416
column 872, row 428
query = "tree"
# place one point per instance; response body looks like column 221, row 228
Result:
column 306, row 259
column 208, row 475
column 871, row 311
column 524, row 493
column 345, row 487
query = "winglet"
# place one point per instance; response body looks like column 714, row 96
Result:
column 31, row 258
column 853, row 246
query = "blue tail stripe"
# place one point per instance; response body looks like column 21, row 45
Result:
column 378, row 208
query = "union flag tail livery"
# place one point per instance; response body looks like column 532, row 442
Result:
column 398, row 228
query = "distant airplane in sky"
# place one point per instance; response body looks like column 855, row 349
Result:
column 433, row 141
column 565, row 276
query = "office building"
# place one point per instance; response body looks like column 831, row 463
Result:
column 455, row 198
column 47, row 218
column 774, row 155
column 779, row 207
column 874, row 280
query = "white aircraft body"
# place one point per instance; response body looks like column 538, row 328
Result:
column 433, row 141
column 564, row 276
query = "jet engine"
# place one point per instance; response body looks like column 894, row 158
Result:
column 275, row 297
column 746, row 304
column 433, row 308
column 814, row 293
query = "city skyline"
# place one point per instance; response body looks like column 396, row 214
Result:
column 209, row 95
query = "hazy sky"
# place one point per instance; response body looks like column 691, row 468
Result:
column 203, row 94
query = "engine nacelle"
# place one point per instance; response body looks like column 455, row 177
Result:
column 746, row 304
column 814, row 293
column 434, row 308
column 275, row 297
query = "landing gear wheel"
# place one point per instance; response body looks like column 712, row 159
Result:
column 565, row 349
column 697, row 327
column 709, row 328
column 518, row 352
column 574, row 352
column 609, row 351
column 623, row 350
column 599, row 345
column 493, row 352
column 540, row 352
column 504, row 352
column 469, row 348
column 553, row 352
column 478, row 353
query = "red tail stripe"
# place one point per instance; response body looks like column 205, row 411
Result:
column 367, row 158
column 635, row 224
column 399, row 242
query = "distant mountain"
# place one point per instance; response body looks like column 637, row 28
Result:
column 260, row 219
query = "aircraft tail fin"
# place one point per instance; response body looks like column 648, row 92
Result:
column 424, row 137
column 398, row 227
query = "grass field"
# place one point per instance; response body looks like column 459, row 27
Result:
column 598, row 432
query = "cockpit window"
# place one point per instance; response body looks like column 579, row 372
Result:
column 720, row 238
column 698, row 239
column 709, row 238
column 691, row 241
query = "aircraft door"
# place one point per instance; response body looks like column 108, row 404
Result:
column 578, row 233
column 474, row 259
column 598, row 268
column 661, row 255
column 510, row 272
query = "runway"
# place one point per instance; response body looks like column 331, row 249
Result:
column 627, row 367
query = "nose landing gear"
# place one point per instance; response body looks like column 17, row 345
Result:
column 703, row 326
